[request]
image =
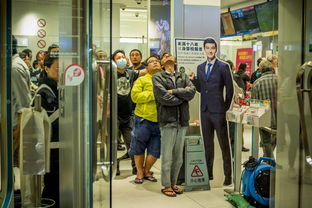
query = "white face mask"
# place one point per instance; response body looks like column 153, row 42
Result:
column 121, row 63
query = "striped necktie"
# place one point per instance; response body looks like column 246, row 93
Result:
column 208, row 71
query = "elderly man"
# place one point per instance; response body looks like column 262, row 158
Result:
column 21, row 95
column 146, row 133
column 173, row 90
column 265, row 88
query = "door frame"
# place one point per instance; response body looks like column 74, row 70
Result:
column 6, row 156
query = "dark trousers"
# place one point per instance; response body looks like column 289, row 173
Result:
column 209, row 123
column 51, row 188
column 232, row 135
column 268, row 143
column 125, row 128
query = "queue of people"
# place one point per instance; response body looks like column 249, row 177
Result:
column 153, row 107
column 26, row 82
column 262, row 86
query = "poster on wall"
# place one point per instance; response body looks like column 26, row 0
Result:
column 244, row 55
column 159, row 30
column 189, row 53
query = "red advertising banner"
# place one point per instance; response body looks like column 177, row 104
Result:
column 244, row 55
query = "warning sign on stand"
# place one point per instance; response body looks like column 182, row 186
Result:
column 197, row 172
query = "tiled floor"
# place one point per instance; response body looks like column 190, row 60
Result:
column 126, row 194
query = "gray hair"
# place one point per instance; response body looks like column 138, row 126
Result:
column 265, row 65
column 271, row 58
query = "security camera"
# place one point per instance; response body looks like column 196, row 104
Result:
column 123, row 7
column 139, row 2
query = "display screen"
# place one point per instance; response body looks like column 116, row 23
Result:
column 245, row 21
column 160, row 33
column 267, row 14
column 227, row 24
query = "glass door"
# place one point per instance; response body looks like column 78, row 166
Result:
column 78, row 32
column 6, row 175
column 305, row 171
column 105, row 111
column 293, row 185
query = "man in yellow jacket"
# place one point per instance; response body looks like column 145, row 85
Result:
column 146, row 132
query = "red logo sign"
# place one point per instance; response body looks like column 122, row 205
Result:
column 41, row 44
column 41, row 33
column 41, row 22
column 197, row 172
column 244, row 55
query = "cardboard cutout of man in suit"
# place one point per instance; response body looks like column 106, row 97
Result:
column 211, row 78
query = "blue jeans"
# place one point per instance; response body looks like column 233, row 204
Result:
column 145, row 135
column 172, row 143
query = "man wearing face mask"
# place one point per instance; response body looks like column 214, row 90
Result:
column 125, row 80
column 173, row 90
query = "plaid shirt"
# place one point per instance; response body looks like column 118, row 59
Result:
column 265, row 88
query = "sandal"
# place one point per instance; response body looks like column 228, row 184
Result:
column 150, row 173
column 177, row 190
column 168, row 192
column 138, row 180
column 150, row 178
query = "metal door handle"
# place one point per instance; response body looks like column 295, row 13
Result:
column 300, row 85
column 104, row 163
column 102, row 62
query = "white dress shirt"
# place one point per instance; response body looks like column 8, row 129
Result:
column 212, row 62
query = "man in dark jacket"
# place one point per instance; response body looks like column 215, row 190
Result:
column 212, row 77
column 242, row 73
column 172, row 90
column 256, row 74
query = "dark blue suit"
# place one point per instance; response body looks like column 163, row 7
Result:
column 213, row 108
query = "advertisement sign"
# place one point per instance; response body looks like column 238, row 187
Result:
column 74, row 75
column 244, row 55
column 189, row 53
column 159, row 27
column 227, row 24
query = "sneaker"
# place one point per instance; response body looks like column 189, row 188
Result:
column 244, row 149
column 124, row 157
column 120, row 148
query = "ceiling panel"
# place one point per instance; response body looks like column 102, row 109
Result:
column 228, row 3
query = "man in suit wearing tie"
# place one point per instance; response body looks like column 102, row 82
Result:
column 212, row 76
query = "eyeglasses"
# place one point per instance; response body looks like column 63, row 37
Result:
column 153, row 61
